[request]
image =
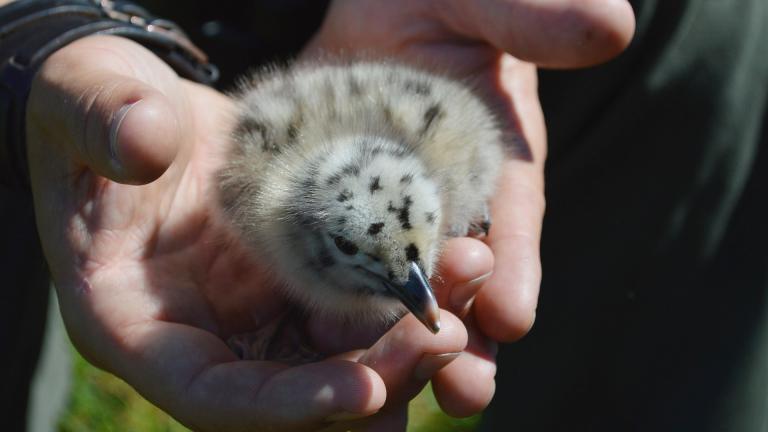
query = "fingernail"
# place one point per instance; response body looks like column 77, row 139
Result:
column 431, row 363
column 345, row 416
column 462, row 294
column 114, row 131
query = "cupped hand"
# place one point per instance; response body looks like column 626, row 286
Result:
column 496, row 46
column 122, row 156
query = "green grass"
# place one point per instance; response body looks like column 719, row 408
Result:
column 101, row 402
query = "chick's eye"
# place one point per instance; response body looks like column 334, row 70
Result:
column 345, row 245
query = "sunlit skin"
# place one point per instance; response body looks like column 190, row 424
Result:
column 148, row 288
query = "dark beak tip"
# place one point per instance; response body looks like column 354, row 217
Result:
column 431, row 318
column 418, row 297
column 435, row 327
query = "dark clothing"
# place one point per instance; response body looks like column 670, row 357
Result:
column 238, row 35
column 653, row 307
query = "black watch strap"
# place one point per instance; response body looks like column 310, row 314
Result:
column 31, row 30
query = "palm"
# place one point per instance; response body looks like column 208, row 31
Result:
column 159, row 252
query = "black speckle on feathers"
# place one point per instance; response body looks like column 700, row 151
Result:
column 292, row 132
column 249, row 126
column 344, row 195
column 430, row 115
column 420, row 88
column 354, row 86
column 375, row 184
column 334, row 179
column 375, row 228
column 350, row 170
column 403, row 213
column 412, row 253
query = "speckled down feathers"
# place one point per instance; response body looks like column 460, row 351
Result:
column 339, row 170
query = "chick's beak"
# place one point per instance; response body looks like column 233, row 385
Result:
column 418, row 297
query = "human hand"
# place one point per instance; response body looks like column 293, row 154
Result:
column 495, row 45
column 122, row 157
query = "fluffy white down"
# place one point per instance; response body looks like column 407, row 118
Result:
column 301, row 128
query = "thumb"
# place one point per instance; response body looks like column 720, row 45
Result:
column 103, row 118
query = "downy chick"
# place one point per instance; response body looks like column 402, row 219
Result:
column 347, row 179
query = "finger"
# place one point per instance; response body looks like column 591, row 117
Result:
column 408, row 355
column 549, row 33
column 387, row 420
column 192, row 373
column 344, row 338
column 506, row 304
column 465, row 387
column 101, row 111
column 464, row 265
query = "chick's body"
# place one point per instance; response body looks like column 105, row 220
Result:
column 346, row 179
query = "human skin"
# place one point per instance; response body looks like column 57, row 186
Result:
column 150, row 282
